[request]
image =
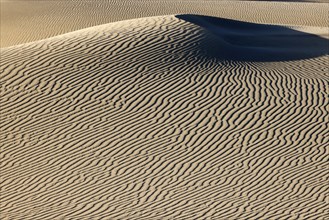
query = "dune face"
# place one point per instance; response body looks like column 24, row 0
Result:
column 158, row 118
column 242, row 41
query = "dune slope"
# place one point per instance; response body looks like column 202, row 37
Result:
column 156, row 118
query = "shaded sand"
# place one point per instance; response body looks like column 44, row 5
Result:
column 26, row 21
column 156, row 118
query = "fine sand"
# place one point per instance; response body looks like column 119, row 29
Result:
column 24, row 21
column 179, row 116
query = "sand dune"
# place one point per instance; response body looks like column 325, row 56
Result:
column 26, row 21
column 156, row 118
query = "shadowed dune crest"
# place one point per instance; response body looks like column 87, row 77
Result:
column 28, row 21
column 233, row 40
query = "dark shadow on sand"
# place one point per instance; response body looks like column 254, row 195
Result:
column 233, row 40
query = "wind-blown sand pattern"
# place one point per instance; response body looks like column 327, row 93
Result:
column 167, row 117
column 26, row 21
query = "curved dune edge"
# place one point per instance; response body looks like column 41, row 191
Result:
column 27, row 21
column 133, row 120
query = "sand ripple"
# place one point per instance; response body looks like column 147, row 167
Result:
column 134, row 120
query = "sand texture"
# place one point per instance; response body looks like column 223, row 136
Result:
column 24, row 21
column 168, row 117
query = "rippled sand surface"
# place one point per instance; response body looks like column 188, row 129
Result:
column 181, row 116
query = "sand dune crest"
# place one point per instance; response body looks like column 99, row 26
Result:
column 244, row 41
